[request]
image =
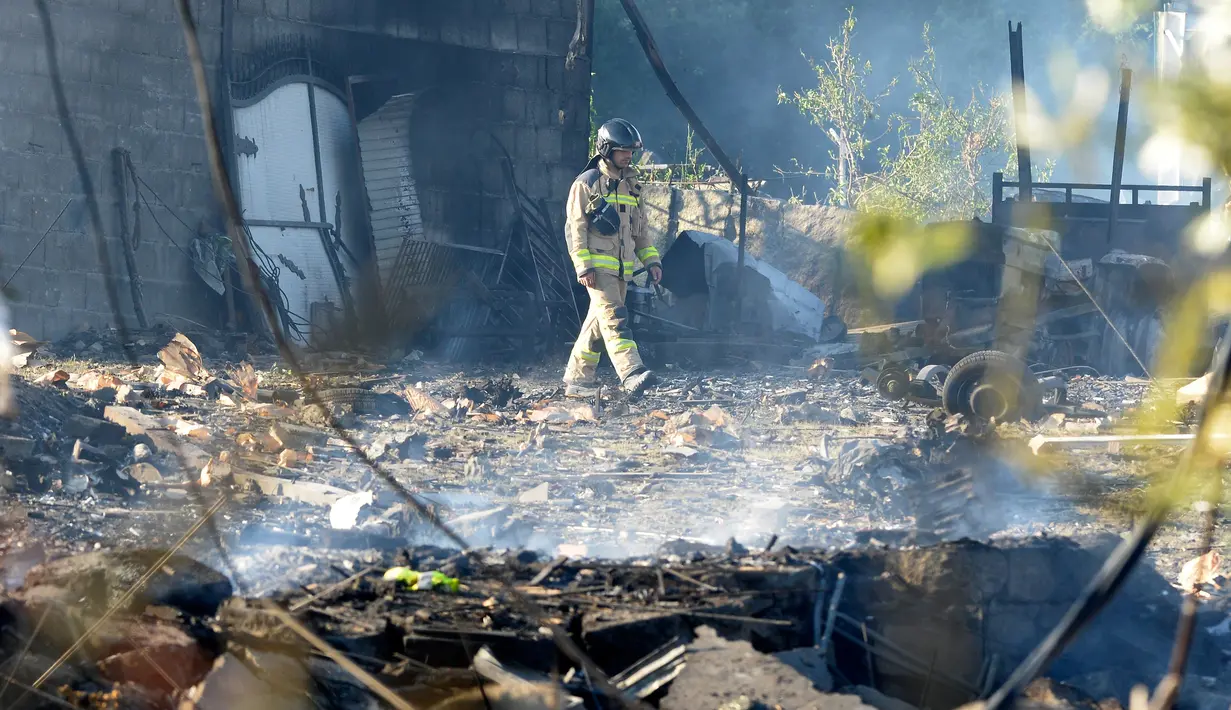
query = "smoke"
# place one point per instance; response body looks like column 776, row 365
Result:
column 730, row 57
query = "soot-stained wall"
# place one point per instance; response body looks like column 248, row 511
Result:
column 485, row 67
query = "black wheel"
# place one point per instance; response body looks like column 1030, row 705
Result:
column 991, row 384
column 893, row 384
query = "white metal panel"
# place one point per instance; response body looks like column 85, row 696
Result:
column 340, row 171
column 280, row 126
column 302, row 247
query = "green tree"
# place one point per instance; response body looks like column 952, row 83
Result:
column 939, row 166
column 939, row 169
column 840, row 106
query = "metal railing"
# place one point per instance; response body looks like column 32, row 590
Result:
column 1205, row 188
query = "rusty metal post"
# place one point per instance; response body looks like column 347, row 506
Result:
column 1017, row 69
column 1117, row 156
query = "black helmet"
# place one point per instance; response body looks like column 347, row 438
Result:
column 617, row 134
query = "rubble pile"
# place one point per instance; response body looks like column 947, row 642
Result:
column 690, row 627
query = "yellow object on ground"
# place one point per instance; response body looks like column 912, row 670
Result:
column 422, row 581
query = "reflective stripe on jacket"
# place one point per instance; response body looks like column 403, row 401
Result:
column 591, row 250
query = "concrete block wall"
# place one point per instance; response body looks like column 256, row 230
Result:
column 129, row 86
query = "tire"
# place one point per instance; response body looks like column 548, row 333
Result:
column 998, row 381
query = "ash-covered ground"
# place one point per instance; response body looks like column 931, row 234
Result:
column 733, row 498
column 752, row 454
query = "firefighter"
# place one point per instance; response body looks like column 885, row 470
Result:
column 606, row 228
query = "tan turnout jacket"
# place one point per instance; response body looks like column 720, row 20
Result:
column 591, row 250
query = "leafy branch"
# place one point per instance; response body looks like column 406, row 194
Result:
column 692, row 171
column 938, row 168
column 840, row 106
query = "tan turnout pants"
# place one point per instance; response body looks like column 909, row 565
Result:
column 606, row 323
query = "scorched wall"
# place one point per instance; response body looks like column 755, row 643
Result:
column 481, row 68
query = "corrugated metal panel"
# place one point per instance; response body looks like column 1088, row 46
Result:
column 280, row 127
column 393, row 201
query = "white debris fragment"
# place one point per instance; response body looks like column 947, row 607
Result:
column 344, row 513
column 1200, row 571
column 539, row 494
column 1194, row 391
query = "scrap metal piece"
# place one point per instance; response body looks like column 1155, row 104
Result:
column 486, row 665
column 926, row 373
column 823, row 646
column 647, row 675
column 550, row 271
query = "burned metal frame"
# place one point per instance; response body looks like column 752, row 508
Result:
column 999, row 184
column 552, row 277
column 1061, row 215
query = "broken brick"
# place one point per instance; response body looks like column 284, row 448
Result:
column 98, row 431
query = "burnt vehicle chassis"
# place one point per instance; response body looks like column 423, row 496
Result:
column 988, row 385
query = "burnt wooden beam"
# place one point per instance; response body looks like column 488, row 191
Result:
column 1117, row 157
column 673, row 92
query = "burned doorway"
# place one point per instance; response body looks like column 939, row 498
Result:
column 296, row 167
column 467, row 262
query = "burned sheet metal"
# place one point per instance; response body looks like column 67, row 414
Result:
column 209, row 256
column 700, row 272
column 393, row 197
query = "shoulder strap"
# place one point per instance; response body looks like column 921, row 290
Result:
column 590, row 177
